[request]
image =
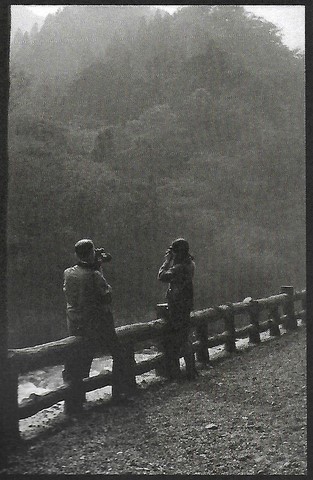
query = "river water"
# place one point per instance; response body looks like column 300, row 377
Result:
column 50, row 378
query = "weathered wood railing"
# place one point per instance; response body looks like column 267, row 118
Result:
column 55, row 353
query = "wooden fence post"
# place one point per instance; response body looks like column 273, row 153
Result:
column 11, row 434
column 229, row 317
column 73, row 402
column 73, row 373
column 171, row 365
column 254, row 313
column 202, row 352
column 162, row 312
column 289, row 310
column 275, row 317
column 129, row 375
column 303, row 305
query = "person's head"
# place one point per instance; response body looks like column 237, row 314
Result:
column 180, row 248
column 85, row 250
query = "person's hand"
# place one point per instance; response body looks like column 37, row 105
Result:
column 168, row 254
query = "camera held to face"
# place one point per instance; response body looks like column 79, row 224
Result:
column 101, row 256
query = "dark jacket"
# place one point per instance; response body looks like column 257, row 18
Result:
column 180, row 278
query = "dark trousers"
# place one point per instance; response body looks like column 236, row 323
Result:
column 178, row 341
column 77, row 367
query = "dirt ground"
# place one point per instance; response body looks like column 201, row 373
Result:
column 246, row 414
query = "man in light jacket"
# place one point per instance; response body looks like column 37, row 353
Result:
column 89, row 315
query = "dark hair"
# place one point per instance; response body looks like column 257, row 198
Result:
column 180, row 245
column 83, row 248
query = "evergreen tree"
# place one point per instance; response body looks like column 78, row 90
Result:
column 185, row 125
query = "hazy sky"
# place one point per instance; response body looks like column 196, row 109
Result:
column 290, row 18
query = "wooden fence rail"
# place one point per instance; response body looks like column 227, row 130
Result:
column 55, row 353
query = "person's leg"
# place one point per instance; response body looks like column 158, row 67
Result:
column 171, row 350
column 189, row 357
column 77, row 367
column 109, row 338
column 186, row 345
column 173, row 341
column 72, row 377
column 188, row 354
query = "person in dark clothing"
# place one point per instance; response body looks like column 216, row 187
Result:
column 178, row 271
column 89, row 315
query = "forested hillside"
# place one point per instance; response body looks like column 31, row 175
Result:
column 23, row 20
column 133, row 128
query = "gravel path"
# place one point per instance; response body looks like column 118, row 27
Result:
column 246, row 415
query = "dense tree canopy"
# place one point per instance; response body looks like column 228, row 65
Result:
column 134, row 128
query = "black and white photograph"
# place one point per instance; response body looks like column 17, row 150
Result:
column 153, row 230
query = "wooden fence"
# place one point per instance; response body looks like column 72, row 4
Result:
column 280, row 309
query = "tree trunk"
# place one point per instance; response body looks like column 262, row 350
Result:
column 5, row 17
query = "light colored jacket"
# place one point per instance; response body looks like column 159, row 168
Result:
column 86, row 292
